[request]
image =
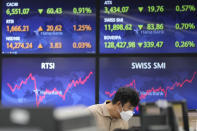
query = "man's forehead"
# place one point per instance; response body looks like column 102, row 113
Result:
column 128, row 104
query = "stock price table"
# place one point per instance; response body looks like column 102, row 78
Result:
column 151, row 26
column 50, row 27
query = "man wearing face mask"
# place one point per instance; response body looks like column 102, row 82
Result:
column 116, row 113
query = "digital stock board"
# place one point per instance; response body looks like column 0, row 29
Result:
column 171, row 78
column 40, row 37
column 48, row 27
column 47, row 82
column 148, row 26
column 59, row 27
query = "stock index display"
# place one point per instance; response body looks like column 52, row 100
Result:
column 48, row 82
column 48, row 26
column 148, row 26
column 170, row 78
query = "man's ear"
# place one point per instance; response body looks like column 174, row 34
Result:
column 118, row 103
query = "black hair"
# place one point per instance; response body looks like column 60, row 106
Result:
column 126, row 94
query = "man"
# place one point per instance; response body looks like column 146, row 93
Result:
column 116, row 113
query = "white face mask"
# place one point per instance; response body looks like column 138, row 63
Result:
column 126, row 115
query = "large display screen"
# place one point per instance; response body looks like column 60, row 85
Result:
column 148, row 26
column 48, row 26
column 171, row 78
column 47, row 82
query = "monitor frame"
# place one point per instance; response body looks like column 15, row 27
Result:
column 184, row 111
